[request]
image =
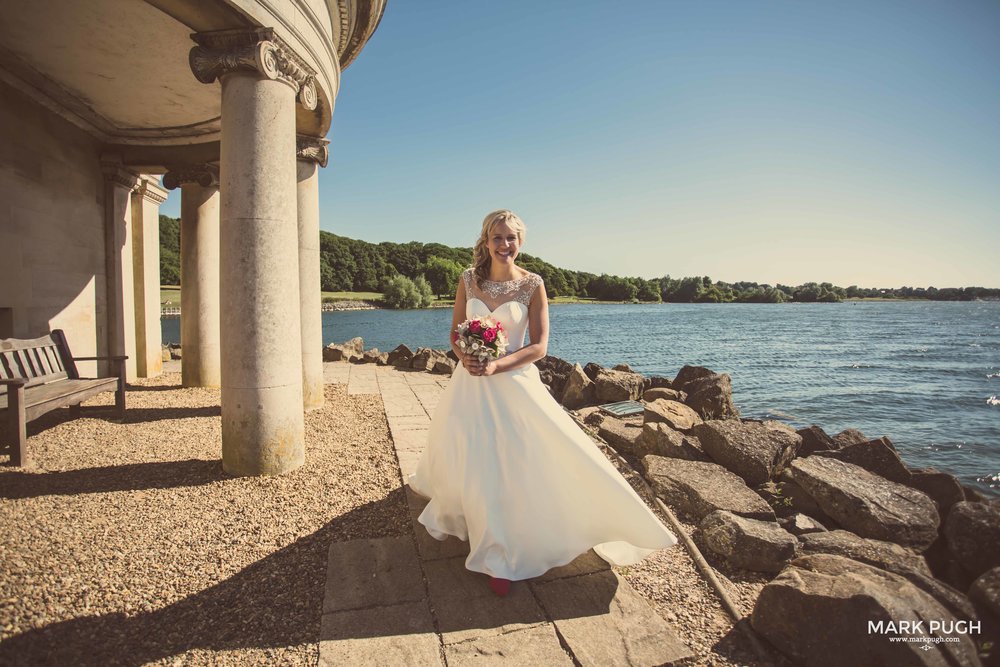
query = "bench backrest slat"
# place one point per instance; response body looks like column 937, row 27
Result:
column 37, row 360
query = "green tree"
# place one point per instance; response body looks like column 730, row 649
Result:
column 170, row 251
column 424, row 292
column 400, row 292
column 443, row 275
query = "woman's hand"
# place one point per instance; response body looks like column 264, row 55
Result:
column 475, row 366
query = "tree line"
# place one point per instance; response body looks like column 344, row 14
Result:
column 351, row 265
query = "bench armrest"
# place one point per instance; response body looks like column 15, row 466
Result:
column 121, row 357
column 14, row 382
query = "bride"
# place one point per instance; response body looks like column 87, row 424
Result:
column 505, row 468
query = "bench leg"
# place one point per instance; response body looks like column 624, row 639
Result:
column 120, row 392
column 18, row 426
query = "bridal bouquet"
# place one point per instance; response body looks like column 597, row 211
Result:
column 483, row 337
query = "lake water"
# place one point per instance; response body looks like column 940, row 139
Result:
column 919, row 372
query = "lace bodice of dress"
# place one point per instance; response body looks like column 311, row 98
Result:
column 493, row 299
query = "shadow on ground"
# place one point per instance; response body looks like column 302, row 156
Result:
column 130, row 477
column 261, row 606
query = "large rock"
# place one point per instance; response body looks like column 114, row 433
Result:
column 699, row 488
column 435, row 361
column 335, row 352
column 579, row 389
column 622, row 434
column 558, row 371
column 709, row 393
column 796, row 499
column 751, row 544
column 943, row 489
column 849, row 436
column 814, row 439
column 824, row 610
column 986, row 591
column 756, row 451
column 892, row 558
column 614, row 386
column 877, row 456
column 688, row 374
column 592, row 369
column 659, row 439
column 656, row 382
column 400, row 357
column 801, row 524
column 867, row 504
column 356, row 345
column 972, row 531
column 650, row 395
column 879, row 553
column 676, row 415
column 371, row 356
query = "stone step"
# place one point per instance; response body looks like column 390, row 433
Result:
column 375, row 608
column 606, row 623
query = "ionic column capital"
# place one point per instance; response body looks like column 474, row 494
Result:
column 151, row 191
column 205, row 175
column 115, row 173
column 312, row 149
column 260, row 50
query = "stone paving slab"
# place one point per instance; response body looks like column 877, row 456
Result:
column 466, row 607
column 408, row 461
column 409, row 422
column 410, row 441
column 365, row 573
column 585, row 563
column 429, row 548
column 416, row 379
column 538, row 645
column 336, row 372
column 402, row 403
column 362, row 380
column 606, row 623
column 400, row 634
column 428, row 395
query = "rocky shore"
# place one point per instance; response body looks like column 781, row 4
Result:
column 869, row 561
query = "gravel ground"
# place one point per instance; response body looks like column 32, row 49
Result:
column 126, row 544
column 672, row 583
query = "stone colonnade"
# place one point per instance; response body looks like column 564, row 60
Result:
column 250, row 253
column 132, row 270
column 199, row 186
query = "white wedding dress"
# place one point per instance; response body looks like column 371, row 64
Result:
column 506, row 469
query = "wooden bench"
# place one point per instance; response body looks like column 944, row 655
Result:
column 38, row 376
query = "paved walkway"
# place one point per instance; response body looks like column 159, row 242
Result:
column 410, row 601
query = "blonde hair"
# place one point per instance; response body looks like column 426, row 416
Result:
column 481, row 259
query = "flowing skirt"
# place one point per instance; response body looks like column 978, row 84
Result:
column 506, row 469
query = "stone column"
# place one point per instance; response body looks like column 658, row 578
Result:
column 200, row 337
column 119, row 279
column 312, row 154
column 146, row 272
column 262, row 419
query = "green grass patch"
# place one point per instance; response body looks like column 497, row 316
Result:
column 170, row 293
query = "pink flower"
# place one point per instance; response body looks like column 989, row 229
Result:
column 475, row 326
column 490, row 335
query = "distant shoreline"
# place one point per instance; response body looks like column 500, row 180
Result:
column 170, row 301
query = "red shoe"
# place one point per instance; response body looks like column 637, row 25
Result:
column 500, row 586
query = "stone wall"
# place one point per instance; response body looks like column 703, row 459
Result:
column 52, row 257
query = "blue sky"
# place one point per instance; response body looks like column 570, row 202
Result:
column 850, row 142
